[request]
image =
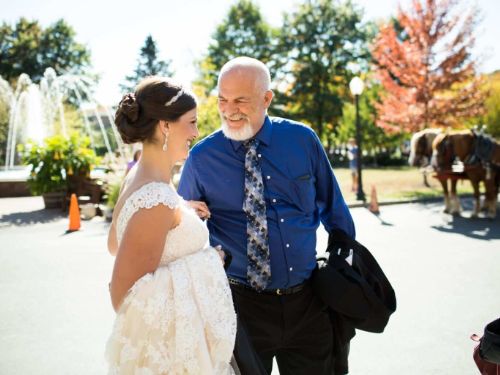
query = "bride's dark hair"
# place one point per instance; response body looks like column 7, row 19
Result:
column 153, row 100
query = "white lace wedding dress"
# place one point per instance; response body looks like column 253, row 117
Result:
column 179, row 319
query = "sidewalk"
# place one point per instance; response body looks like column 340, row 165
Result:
column 55, row 314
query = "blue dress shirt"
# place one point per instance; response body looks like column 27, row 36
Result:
column 300, row 191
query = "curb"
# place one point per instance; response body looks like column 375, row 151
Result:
column 403, row 201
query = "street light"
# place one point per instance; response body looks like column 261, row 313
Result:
column 356, row 86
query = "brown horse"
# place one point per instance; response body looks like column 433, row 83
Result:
column 421, row 147
column 462, row 147
column 495, row 156
column 420, row 156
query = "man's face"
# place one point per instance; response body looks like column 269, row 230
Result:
column 243, row 103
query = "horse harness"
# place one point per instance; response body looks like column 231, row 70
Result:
column 444, row 165
column 483, row 148
column 482, row 151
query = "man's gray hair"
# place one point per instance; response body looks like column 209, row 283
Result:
column 248, row 62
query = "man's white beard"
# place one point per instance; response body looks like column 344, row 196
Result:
column 241, row 134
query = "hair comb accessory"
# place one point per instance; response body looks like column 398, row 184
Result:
column 174, row 98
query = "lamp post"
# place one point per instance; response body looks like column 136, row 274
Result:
column 356, row 86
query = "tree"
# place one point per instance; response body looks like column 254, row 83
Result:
column 148, row 64
column 4, row 128
column 208, row 113
column 376, row 143
column 492, row 117
column 28, row 48
column 243, row 32
column 320, row 40
column 424, row 63
column 372, row 135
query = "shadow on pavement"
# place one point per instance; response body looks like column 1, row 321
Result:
column 479, row 228
column 382, row 221
column 31, row 217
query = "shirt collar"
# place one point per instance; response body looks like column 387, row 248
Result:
column 263, row 135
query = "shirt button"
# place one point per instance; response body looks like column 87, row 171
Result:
column 282, row 220
column 274, row 200
column 291, row 269
column 260, row 155
column 268, row 177
column 287, row 245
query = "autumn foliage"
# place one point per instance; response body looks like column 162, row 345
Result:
column 423, row 60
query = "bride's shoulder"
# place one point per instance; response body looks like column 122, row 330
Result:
column 146, row 195
column 151, row 194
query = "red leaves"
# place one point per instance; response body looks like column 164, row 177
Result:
column 423, row 60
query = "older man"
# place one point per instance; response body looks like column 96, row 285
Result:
column 267, row 183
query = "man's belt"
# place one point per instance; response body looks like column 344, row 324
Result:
column 276, row 292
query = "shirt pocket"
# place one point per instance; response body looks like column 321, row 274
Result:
column 305, row 192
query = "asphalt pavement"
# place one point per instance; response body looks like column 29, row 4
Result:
column 55, row 314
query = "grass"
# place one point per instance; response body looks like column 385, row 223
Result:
column 396, row 183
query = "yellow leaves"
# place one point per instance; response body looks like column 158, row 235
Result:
column 338, row 78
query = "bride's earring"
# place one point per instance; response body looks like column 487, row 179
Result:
column 165, row 147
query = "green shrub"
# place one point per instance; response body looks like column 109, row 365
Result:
column 57, row 159
column 113, row 191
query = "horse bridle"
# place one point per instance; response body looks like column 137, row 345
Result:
column 421, row 149
column 421, row 153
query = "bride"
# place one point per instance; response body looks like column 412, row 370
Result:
column 169, row 289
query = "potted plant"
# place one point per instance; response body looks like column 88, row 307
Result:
column 113, row 191
column 57, row 165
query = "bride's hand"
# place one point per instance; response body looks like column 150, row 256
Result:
column 201, row 209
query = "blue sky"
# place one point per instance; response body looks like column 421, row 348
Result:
column 114, row 31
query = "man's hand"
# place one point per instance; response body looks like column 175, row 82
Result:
column 222, row 254
column 201, row 209
column 225, row 256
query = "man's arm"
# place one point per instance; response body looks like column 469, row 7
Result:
column 333, row 210
column 192, row 191
column 189, row 185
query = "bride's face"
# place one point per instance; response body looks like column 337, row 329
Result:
column 181, row 134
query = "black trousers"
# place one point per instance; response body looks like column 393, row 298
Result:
column 295, row 329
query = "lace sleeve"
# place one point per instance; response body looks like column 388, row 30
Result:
column 147, row 196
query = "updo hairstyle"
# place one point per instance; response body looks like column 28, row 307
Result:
column 155, row 99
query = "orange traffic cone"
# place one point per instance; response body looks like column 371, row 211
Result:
column 74, row 214
column 373, row 207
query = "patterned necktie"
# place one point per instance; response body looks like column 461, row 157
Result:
column 259, row 265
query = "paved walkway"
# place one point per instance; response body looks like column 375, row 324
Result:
column 55, row 314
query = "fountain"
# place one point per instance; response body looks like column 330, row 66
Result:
column 37, row 111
